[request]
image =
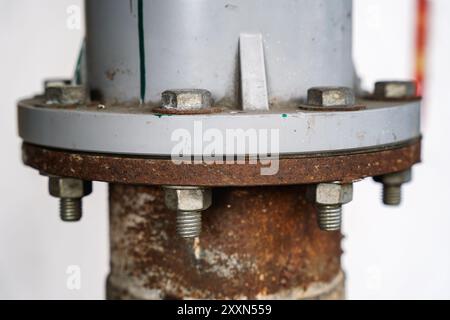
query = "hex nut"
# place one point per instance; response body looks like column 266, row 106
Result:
column 186, row 99
column 57, row 82
column 396, row 178
column 59, row 93
column 395, row 90
column 187, row 198
column 69, row 188
column 331, row 193
column 331, row 96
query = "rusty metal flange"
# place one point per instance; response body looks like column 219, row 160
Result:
column 305, row 169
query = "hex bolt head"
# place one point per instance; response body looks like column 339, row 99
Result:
column 188, row 198
column 69, row 188
column 385, row 90
column 186, row 99
column 331, row 96
column 329, row 198
column 65, row 94
column 70, row 192
column 392, row 186
column 188, row 202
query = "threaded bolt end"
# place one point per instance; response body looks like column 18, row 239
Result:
column 392, row 195
column 189, row 224
column 70, row 209
column 329, row 217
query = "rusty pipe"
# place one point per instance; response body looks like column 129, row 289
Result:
column 257, row 243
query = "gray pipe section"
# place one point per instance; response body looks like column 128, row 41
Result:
column 195, row 43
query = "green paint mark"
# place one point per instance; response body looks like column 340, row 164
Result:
column 284, row 115
column 142, row 49
column 78, row 76
column 160, row 115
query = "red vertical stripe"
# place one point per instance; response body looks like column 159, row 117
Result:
column 421, row 44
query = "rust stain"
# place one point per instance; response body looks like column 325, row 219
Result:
column 160, row 110
column 113, row 72
column 355, row 107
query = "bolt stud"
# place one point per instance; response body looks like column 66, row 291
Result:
column 189, row 203
column 392, row 186
column 329, row 217
column 189, row 224
column 70, row 193
column 328, row 199
column 392, row 195
column 70, row 209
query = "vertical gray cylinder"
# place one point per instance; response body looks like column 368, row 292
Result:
column 194, row 44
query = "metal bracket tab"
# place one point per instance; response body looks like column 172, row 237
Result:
column 253, row 73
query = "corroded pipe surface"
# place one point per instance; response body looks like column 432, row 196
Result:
column 257, row 243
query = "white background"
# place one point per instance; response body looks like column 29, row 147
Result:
column 389, row 253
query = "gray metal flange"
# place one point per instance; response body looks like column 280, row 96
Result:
column 137, row 130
